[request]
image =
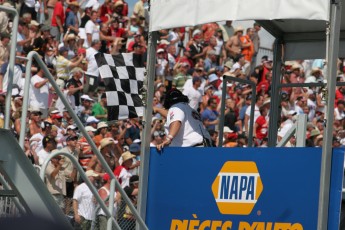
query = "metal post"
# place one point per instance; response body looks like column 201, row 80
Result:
column 15, row 15
column 275, row 97
column 222, row 113
column 333, row 49
column 111, row 203
column 25, row 102
column 251, row 123
column 301, row 130
column 145, row 148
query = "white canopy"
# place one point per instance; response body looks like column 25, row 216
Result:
column 177, row 13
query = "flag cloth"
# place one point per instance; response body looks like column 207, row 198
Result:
column 123, row 76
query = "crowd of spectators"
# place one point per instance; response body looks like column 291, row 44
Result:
column 67, row 35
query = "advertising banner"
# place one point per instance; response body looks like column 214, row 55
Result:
column 239, row 188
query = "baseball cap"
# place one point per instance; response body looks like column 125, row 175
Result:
column 134, row 147
column 71, row 127
column 56, row 116
column 91, row 173
column 92, row 119
column 71, row 138
column 90, row 128
column 213, row 77
column 86, row 97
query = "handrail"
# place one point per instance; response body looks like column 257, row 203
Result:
column 86, row 180
column 15, row 15
column 222, row 109
column 80, row 126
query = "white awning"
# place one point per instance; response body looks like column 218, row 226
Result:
column 177, row 13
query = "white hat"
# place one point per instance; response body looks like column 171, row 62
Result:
column 102, row 125
column 138, row 141
column 164, row 42
column 55, row 111
column 235, row 67
column 91, row 173
column 237, row 29
column 90, row 128
column 213, row 77
column 195, row 32
column 71, row 127
column 86, row 97
column 92, row 119
column 292, row 112
column 226, row 129
column 160, row 51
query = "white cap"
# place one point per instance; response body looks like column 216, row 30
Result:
column 91, row 119
column 213, row 77
column 235, row 67
column 226, row 129
column 86, row 97
column 160, row 51
column 292, row 112
column 90, row 128
column 71, row 127
column 138, row 141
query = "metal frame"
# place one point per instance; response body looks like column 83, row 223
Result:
column 107, row 211
column 326, row 160
column 34, row 55
column 299, row 128
column 15, row 15
column 222, row 108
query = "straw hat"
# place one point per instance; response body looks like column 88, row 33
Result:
column 127, row 156
column 71, row 37
column 238, row 29
column 102, row 124
column 91, row 173
column 315, row 70
column 118, row 3
column 105, row 142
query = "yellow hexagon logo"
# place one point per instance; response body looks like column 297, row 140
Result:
column 237, row 187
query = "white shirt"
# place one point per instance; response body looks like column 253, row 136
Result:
column 194, row 95
column 162, row 63
column 92, row 68
column 192, row 129
column 256, row 114
column 16, row 77
column 124, row 176
column 93, row 29
column 39, row 96
column 42, row 156
column 84, row 196
column 70, row 98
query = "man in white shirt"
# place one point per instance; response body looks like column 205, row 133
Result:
column 92, row 29
column 39, row 91
column 92, row 72
column 83, row 205
column 49, row 144
column 193, row 93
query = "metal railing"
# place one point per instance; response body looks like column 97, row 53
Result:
column 34, row 55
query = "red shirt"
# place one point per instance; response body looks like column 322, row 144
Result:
column 58, row 12
column 261, row 130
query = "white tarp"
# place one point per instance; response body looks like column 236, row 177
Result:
column 177, row 13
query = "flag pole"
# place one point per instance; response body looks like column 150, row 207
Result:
column 146, row 135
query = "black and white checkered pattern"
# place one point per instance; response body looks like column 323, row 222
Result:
column 123, row 77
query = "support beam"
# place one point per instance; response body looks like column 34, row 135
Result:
column 326, row 161
column 145, row 147
column 275, row 94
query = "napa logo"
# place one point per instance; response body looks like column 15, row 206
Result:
column 237, row 187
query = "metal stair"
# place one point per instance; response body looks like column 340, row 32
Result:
column 25, row 183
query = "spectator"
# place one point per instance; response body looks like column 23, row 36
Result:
column 58, row 20
column 83, row 205
column 63, row 65
column 92, row 73
column 49, row 144
column 92, row 29
column 55, row 180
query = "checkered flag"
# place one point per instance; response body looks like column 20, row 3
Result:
column 123, row 76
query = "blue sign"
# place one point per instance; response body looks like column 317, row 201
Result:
column 239, row 188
